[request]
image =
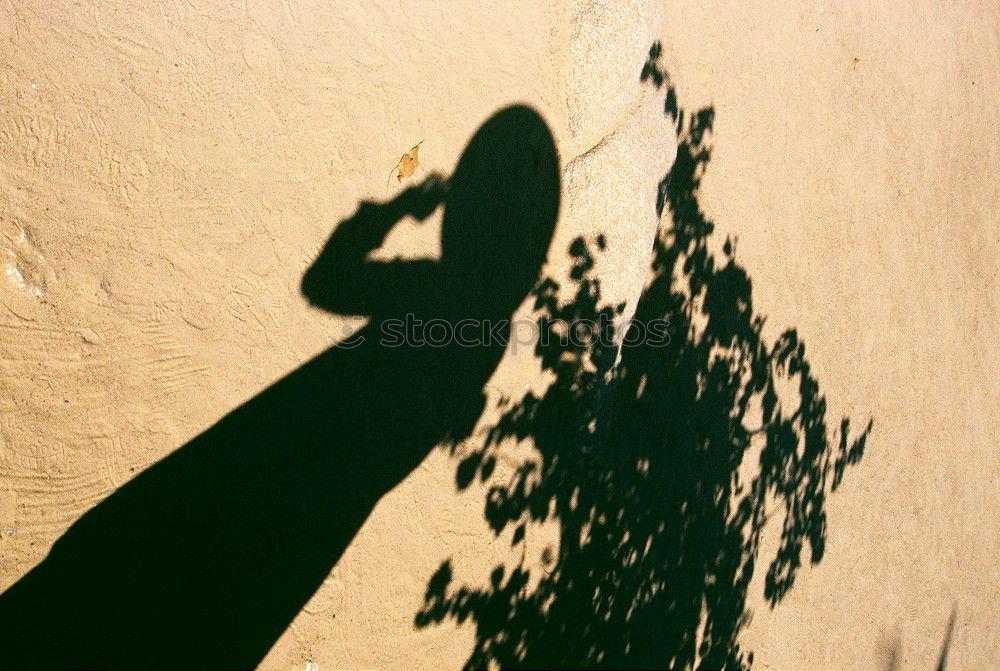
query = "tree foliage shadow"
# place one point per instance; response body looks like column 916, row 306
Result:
column 661, row 470
column 204, row 559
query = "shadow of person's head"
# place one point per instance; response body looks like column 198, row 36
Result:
column 501, row 209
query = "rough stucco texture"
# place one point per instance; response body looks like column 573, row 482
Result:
column 169, row 169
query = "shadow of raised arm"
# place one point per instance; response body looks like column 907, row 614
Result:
column 343, row 280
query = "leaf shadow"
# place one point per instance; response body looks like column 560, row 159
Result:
column 661, row 460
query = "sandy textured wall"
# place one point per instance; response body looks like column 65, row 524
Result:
column 856, row 159
column 171, row 169
column 168, row 170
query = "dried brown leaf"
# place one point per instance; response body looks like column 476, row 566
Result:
column 407, row 165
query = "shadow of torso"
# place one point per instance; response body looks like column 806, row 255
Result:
column 204, row 559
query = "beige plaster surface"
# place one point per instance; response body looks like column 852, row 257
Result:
column 864, row 195
column 169, row 169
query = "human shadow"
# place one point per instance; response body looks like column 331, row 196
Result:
column 204, row 559
column 659, row 461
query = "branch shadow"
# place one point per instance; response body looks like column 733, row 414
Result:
column 661, row 462
column 204, row 559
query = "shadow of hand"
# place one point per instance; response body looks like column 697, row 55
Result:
column 422, row 199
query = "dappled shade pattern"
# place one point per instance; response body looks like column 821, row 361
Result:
column 662, row 470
